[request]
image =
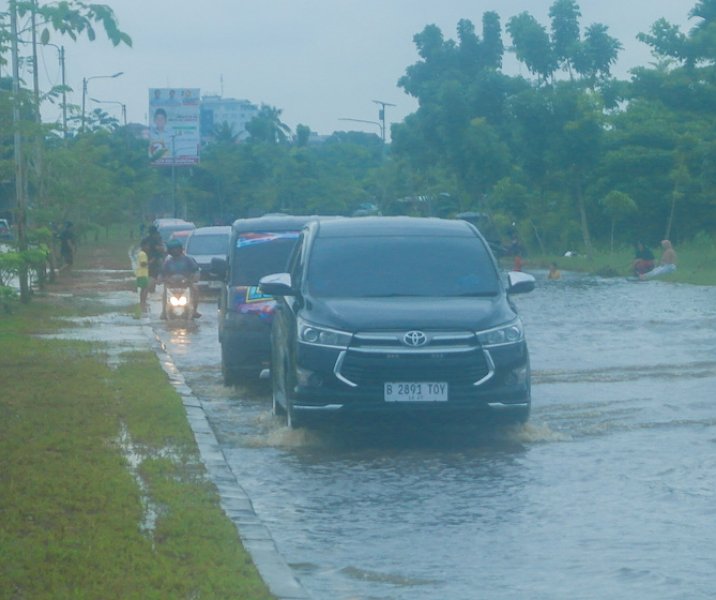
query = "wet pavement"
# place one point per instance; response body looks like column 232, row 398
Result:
column 607, row 491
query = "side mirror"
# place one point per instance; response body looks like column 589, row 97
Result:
column 218, row 267
column 276, row 284
column 519, row 283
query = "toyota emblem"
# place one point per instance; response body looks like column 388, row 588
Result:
column 415, row 338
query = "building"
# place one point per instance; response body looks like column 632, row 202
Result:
column 216, row 111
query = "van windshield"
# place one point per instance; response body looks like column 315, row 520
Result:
column 259, row 254
column 401, row 266
column 215, row 244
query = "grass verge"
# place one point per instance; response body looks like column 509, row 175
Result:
column 102, row 494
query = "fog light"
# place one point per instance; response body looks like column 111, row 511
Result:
column 308, row 378
column 517, row 376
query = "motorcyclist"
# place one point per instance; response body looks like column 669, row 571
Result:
column 179, row 264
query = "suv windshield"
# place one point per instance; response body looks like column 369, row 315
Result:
column 259, row 254
column 401, row 266
column 216, row 244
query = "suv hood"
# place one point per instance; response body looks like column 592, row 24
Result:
column 371, row 314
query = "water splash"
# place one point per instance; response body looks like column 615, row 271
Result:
column 533, row 433
column 274, row 433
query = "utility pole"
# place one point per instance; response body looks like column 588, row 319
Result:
column 19, row 164
column 64, row 93
column 38, row 141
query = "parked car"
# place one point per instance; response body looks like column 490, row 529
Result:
column 204, row 244
column 257, row 247
column 5, row 231
column 182, row 235
column 397, row 315
column 167, row 227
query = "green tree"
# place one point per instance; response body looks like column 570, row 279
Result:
column 565, row 16
column 617, row 205
column 532, row 46
column 267, row 126
column 303, row 134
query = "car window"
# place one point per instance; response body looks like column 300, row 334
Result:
column 259, row 254
column 401, row 266
column 217, row 244
column 295, row 264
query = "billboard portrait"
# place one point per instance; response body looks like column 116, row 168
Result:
column 174, row 137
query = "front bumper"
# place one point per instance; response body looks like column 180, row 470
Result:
column 208, row 282
column 332, row 381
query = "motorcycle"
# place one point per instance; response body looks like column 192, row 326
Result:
column 178, row 303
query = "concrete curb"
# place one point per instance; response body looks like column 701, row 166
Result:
column 254, row 535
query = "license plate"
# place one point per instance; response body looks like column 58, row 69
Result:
column 422, row 391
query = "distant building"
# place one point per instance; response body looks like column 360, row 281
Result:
column 317, row 138
column 215, row 111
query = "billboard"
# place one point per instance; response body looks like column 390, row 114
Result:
column 174, row 126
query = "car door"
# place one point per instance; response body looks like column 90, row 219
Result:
column 223, row 298
column 283, row 330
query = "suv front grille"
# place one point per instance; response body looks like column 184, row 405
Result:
column 376, row 358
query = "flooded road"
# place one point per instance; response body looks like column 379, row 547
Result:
column 608, row 491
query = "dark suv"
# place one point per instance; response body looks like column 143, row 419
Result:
column 257, row 247
column 397, row 315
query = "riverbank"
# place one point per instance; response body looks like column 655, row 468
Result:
column 696, row 263
column 102, row 491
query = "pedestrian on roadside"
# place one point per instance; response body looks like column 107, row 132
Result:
column 141, row 272
column 68, row 245
column 156, row 252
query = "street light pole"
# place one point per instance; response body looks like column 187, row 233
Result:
column 121, row 104
column 61, row 52
column 84, row 92
column 381, row 127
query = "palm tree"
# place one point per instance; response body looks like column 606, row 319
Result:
column 267, row 126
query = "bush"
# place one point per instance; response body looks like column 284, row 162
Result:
column 8, row 297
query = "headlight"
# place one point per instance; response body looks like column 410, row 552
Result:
column 322, row 336
column 177, row 300
column 501, row 336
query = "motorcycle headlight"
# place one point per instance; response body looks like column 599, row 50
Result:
column 322, row 336
column 502, row 336
column 177, row 301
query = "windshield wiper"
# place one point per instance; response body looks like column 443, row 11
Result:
column 391, row 296
column 476, row 294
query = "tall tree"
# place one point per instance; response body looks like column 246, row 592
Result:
column 565, row 16
column 532, row 46
column 267, row 126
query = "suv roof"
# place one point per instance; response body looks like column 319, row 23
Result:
column 272, row 222
column 404, row 226
column 211, row 230
column 167, row 221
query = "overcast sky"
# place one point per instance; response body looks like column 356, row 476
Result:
column 316, row 60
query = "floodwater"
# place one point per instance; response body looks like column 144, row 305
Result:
column 608, row 491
